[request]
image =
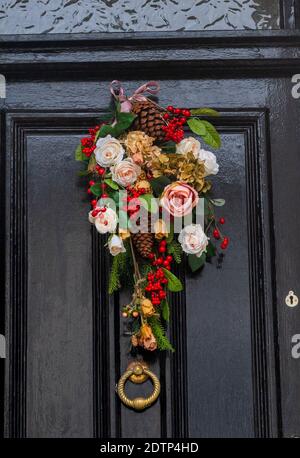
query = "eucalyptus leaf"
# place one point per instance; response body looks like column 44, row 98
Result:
column 174, row 284
column 218, row 202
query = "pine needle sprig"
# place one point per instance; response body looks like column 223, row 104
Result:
column 158, row 330
column 174, row 248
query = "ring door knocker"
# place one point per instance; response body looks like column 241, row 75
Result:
column 138, row 372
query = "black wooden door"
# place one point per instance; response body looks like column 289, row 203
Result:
column 233, row 374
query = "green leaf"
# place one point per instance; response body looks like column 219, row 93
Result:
column 112, row 184
column 119, row 266
column 158, row 330
column 197, row 126
column 211, row 137
column 123, row 122
column 158, row 184
column 96, row 189
column 79, row 155
column 168, row 147
column 205, row 112
column 165, row 310
column 175, row 249
column 149, row 202
column 195, row 262
column 174, row 284
column 83, row 173
column 218, row 202
column 171, row 234
column 210, row 250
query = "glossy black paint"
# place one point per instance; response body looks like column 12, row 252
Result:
column 232, row 374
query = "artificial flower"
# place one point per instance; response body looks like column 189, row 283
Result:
column 193, row 239
column 109, row 151
column 125, row 172
column 106, row 221
column 116, row 245
column 140, row 148
column 210, row 162
column 188, row 145
column 179, row 199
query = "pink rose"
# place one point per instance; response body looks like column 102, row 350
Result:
column 179, row 199
column 125, row 172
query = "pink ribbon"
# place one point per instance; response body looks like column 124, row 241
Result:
column 116, row 89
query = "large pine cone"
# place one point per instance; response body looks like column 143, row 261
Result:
column 144, row 241
column 149, row 119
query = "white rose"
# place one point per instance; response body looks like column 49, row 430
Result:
column 116, row 245
column 188, row 145
column 125, row 172
column 108, row 151
column 106, row 221
column 193, row 239
column 210, row 162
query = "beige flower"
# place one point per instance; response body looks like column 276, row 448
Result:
column 188, row 145
column 106, row 221
column 179, row 199
column 193, row 239
column 109, row 151
column 125, row 172
column 147, row 308
column 116, row 245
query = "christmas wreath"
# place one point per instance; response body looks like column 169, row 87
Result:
column 149, row 190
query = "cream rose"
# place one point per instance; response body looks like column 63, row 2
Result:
column 109, row 151
column 179, row 199
column 106, row 221
column 210, row 162
column 188, row 145
column 193, row 239
column 125, row 172
column 116, row 245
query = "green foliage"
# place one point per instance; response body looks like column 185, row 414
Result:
column 206, row 130
column 158, row 330
column 205, row 112
column 148, row 201
column 168, row 147
column 112, row 184
column 174, row 284
column 196, row 262
column 96, row 189
column 158, row 184
column 145, row 269
column 124, row 121
column 165, row 310
column 118, row 270
column 174, row 248
column 79, row 155
column 210, row 250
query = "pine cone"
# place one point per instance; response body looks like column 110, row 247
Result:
column 149, row 119
column 144, row 241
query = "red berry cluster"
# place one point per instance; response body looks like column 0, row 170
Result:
column 88, row 143
column 132, row 203
column 217, row 235
column 98, row 210
column 157, row 279
column 175, row 118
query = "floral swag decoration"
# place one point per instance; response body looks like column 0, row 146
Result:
column 150, row 191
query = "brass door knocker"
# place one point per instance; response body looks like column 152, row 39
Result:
column 138, row 372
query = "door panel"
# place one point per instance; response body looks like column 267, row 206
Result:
column 67, row 342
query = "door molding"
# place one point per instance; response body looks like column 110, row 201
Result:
column 253, row 124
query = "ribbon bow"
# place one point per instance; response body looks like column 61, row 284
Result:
column 116, row 89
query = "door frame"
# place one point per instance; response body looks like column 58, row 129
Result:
column 221, row 54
